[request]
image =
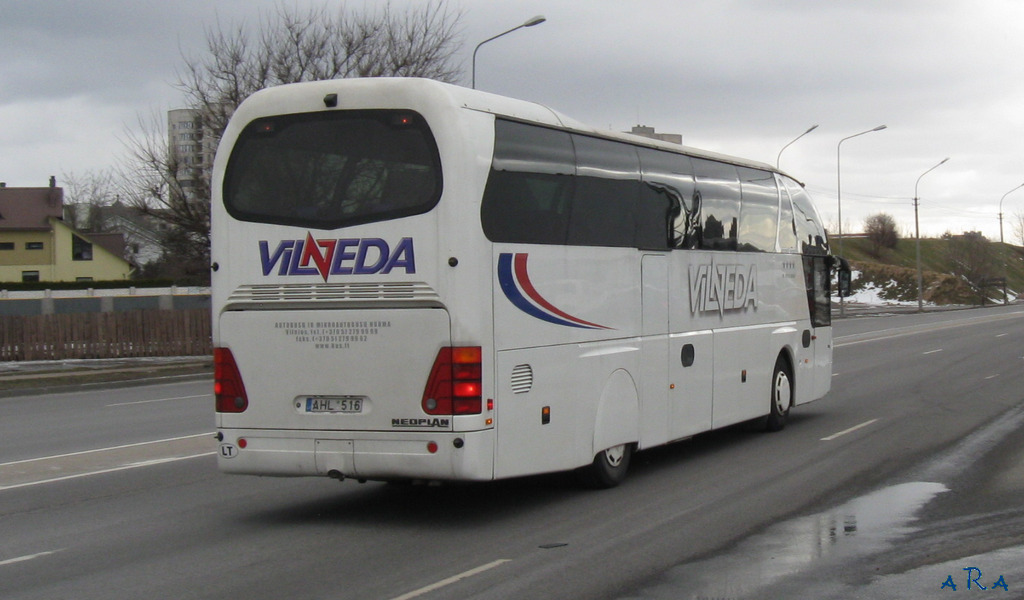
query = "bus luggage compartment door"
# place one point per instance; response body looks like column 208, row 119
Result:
column 336, row 370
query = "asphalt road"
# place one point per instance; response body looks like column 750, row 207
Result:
column 908, row 468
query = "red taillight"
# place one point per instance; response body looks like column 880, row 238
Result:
column 227, row 383
column 455, row 382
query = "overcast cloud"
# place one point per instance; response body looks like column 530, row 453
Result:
column 742, row 77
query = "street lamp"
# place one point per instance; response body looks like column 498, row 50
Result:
column 917, row 236
column 1002, row 248
column 1001, row 210
column 813, row 127
column 530, row 23
column 839, row 198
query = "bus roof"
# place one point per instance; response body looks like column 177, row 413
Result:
column 502, row 106
column 515, row 109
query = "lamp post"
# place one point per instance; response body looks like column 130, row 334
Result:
column 1001, row 243
column 839, row 197
column 530, row 23
column 917, row 236
column 812, row 128
column 1001, row 210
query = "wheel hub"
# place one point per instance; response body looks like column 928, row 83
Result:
column 783, row 393
column 615, row 455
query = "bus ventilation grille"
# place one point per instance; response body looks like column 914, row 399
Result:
column 336, row 292
column 522, row 379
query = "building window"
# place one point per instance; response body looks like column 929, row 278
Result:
column 83, row 278
column 6, row 245
column 30, row 275
column 80, row 249
column 33, row 245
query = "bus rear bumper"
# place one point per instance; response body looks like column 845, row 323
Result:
column 466, row 456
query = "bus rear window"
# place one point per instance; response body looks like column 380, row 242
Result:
column 327, row 170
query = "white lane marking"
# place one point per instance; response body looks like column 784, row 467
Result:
column 992, row 376
column 931, row 352
column 894, row 332
column 846, row 431
column 1001, row 334
column 147, row 463
column 453, row 579
column 11, row 561
column 174, row 439
column 159, row 400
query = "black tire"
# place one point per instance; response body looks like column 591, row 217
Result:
column 781, row 395
column 608, row 469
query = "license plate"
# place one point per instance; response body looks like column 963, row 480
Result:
column 334, row 404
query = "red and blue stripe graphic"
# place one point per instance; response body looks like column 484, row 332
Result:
column 515, row 282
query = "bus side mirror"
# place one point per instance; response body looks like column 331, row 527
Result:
column 844, row 284
column 845, row 277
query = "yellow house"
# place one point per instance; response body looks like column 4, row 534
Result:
column 36, row 244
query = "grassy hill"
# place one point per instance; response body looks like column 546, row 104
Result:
column 951, row 270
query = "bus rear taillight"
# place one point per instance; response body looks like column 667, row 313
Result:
column 455, row 382
column 227, row 383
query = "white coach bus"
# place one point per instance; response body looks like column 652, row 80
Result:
column 417, row 281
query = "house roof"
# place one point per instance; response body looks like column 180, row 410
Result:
column 111, row 242
column 29, row 208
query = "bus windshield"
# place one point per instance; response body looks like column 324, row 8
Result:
column 329, row 170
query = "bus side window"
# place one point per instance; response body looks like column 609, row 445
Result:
column 529, row 190
column 659, row 212
column 670, row 208
column 719, row 188
column 787, row 229
column 696, row 240
column 759, row 211
column 810, row 233
column 607, row 192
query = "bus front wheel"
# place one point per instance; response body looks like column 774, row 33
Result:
column 782, row 395
column 609, row 467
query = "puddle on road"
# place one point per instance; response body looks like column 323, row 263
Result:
column 862, row 526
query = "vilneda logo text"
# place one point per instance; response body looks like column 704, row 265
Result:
column 350, row 256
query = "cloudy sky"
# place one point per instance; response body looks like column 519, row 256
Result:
column 742, row 77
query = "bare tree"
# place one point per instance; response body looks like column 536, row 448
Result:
column 291, row 47
column 287, row 47
column 150, row 181
column 1018, row 227
column 881, row 230
column 832, row 226
column 86, row 195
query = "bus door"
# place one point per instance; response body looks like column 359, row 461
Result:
column 654, row 350
column 817, row 274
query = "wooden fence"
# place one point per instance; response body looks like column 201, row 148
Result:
column 106, row 335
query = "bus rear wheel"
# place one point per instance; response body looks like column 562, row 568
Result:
column 608, row 469
column 782, row 395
